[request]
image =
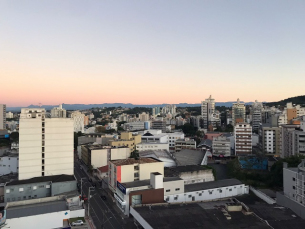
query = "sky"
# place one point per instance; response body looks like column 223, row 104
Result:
column 150, row 52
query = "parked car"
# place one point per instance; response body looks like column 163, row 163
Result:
column 77, row 223
column 103, row 197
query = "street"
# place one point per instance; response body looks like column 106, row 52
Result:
column 104, row 213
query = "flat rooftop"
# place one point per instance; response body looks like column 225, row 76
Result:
column 35, row 209
column 175, row 171
column 191, row 216
column 53, row 179
column 131, row 161
column 211, row 185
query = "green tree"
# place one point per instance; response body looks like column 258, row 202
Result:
column 135, row 154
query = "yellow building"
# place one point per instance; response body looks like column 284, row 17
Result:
column 127, row 139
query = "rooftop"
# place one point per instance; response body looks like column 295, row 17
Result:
column 189, row 157
column 35, row 209
column 130, row 161
column 53, row 179
column 191, row 216
column 175, row 171
column 211, row 185
column 140, row 183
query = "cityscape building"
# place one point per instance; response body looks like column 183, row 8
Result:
column 209, row 115
column 58, row 112
column 243, row 138
column 238, row 112
column 2, row 116
column 78, row 121
column 45, row 144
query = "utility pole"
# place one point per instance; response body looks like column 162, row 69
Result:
column 81, row 186
column 89, row 201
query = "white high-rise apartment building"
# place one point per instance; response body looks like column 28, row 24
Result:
column 243, row 139
column 169, row 109
column 209, row 114
column 58, row 112
column 155, row 111
column 238, row 112
column 2, row 116
column 256, row 113
column 78, row 119
column 45, row 144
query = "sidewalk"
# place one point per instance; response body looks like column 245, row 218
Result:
column 88, row 218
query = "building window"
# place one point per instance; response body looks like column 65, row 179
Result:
column 220, row 191
column 20, row 189
column 24, row 197
column 41, row 186
column 190, row 196
column 136, row 174
column 230, row 189
column 8, row 191
column 167, row 199
column 35, row 187
column 200, row 194
column 47, row 186
column 177, row 189
column 293, row 179
column 136, row 167
column 293, row 187
column 176, row 198
column 168, row 190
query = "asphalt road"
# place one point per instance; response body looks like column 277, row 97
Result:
column 102, row 212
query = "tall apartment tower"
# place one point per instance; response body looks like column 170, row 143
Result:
column 2, row 116
column 155, row 111
column 58, row 112
column 243, row 138
column 256, row 113
column 78, row 119
column 45, row 144
column 209, row 114
column 238, row 112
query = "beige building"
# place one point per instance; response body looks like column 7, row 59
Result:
column 45, row 145
column 2, row 116
column 98, row 155
column 243, row 139
column 78, row 119
column 144, row 117
column 58, row 112
column 131, row 169
column 127, row 139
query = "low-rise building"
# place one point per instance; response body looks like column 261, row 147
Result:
column 52, row 212
column 128, row 170
column 97, row 155
column 152, row 146
column 221, row 146
column 39, row 187
column 185, row 144
column 190, row 173
column 8, row 164
column 127, row 139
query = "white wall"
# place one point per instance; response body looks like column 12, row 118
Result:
column 99, row 158
column 44, row 221
column 204, row 195
column 77, row 213
column 119, row 153
column 8, row 165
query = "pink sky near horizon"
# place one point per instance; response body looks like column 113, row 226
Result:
column 72, row 52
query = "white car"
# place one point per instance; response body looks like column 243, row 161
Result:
column 77, row 223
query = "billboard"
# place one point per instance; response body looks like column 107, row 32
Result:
column 121, row 187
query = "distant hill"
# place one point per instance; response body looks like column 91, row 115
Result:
column 129, row 105
column 295, row 100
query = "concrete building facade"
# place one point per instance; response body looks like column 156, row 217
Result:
column 58, row 112
column 243, row 139
column 2, row 116
column 270, row 140
column 238, row 112
column 131, row 169
column 78, row 121
column 45, row 145
column 9, row 164
column 221, row 146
